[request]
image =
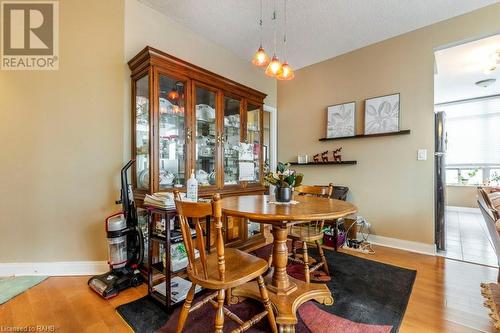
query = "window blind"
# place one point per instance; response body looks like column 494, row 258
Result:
column 473, row 139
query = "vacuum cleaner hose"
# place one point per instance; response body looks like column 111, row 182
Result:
column 140, row 241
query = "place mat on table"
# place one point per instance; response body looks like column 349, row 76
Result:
column 291, row 202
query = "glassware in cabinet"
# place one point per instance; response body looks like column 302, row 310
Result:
column 142, row 127
column 205, row 136
column 231, row 140
column 172, row 133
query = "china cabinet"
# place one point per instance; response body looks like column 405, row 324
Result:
column 187, row 118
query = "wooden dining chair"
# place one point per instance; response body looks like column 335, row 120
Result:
column 311, row 232
column 220, row 271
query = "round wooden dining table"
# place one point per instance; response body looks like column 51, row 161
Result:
column 285, row 292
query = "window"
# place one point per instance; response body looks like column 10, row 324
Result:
column 471, row 176
column 452, row 176
column 473, row 142
column 473, row 132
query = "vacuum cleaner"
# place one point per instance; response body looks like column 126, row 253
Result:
column 125, row 246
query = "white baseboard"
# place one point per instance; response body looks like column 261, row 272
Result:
column 401, row 244
column 61, row 268
column 463, row 209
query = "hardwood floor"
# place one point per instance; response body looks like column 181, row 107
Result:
column 446, row 298
column 69, row 304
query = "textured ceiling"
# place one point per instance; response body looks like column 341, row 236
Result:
column 317, row 29
column 459, row 67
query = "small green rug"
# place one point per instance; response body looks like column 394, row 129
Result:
column 12, row 286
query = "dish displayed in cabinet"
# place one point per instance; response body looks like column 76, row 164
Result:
column 205, row 112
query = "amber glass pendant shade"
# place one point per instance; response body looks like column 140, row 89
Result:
column 274, row 68
column 173, row 95
column 260, row 58
column 286, row 72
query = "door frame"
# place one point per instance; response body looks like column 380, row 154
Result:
column 273, row 133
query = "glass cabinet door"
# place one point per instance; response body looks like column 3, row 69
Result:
column 172, row 133
column 254, row 137
column 231, row 139
column 142, row 123
column 205, row 136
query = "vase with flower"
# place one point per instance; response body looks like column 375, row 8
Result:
column 284, row 179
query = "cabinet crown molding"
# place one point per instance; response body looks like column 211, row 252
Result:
column 149, row 56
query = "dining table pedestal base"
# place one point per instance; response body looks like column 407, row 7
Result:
column 286, row 304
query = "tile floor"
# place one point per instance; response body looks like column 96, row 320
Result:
column 467, row 237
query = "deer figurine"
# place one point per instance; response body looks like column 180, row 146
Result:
column 324, row 156
column 337, row 157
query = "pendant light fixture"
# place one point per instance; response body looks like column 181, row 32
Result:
column 286, row 71
column 274, row 69
column 260, row 58
column 173, row 94
column 176, row 92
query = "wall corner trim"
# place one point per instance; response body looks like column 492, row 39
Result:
column 401, row 244
column 60, row 268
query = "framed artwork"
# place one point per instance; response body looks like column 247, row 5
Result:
column 382, row 114
column 340, row 120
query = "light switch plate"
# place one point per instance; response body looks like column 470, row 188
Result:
column 422, row 154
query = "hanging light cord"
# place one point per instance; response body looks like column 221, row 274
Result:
column 260, row 23
column 284, row 36
column 274, row 23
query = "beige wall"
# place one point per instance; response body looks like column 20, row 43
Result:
column 66, row 133
column 392, row 189
column 61, row 134
column 461, row 196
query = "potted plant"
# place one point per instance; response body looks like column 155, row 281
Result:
column 495, row 179
column 284, row 179
column 470, row 174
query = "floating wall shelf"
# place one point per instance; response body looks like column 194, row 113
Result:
column 325, row 163
column 359, row 136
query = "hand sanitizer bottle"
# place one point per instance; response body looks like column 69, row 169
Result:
column 192, row 188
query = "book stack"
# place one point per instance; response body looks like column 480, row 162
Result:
column 164, row 200
column 176, row 235
column 179, row 288
column 160, row 200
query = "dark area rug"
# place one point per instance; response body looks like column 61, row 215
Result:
column 143, row 315
column 370, row 297
column 367, row 291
